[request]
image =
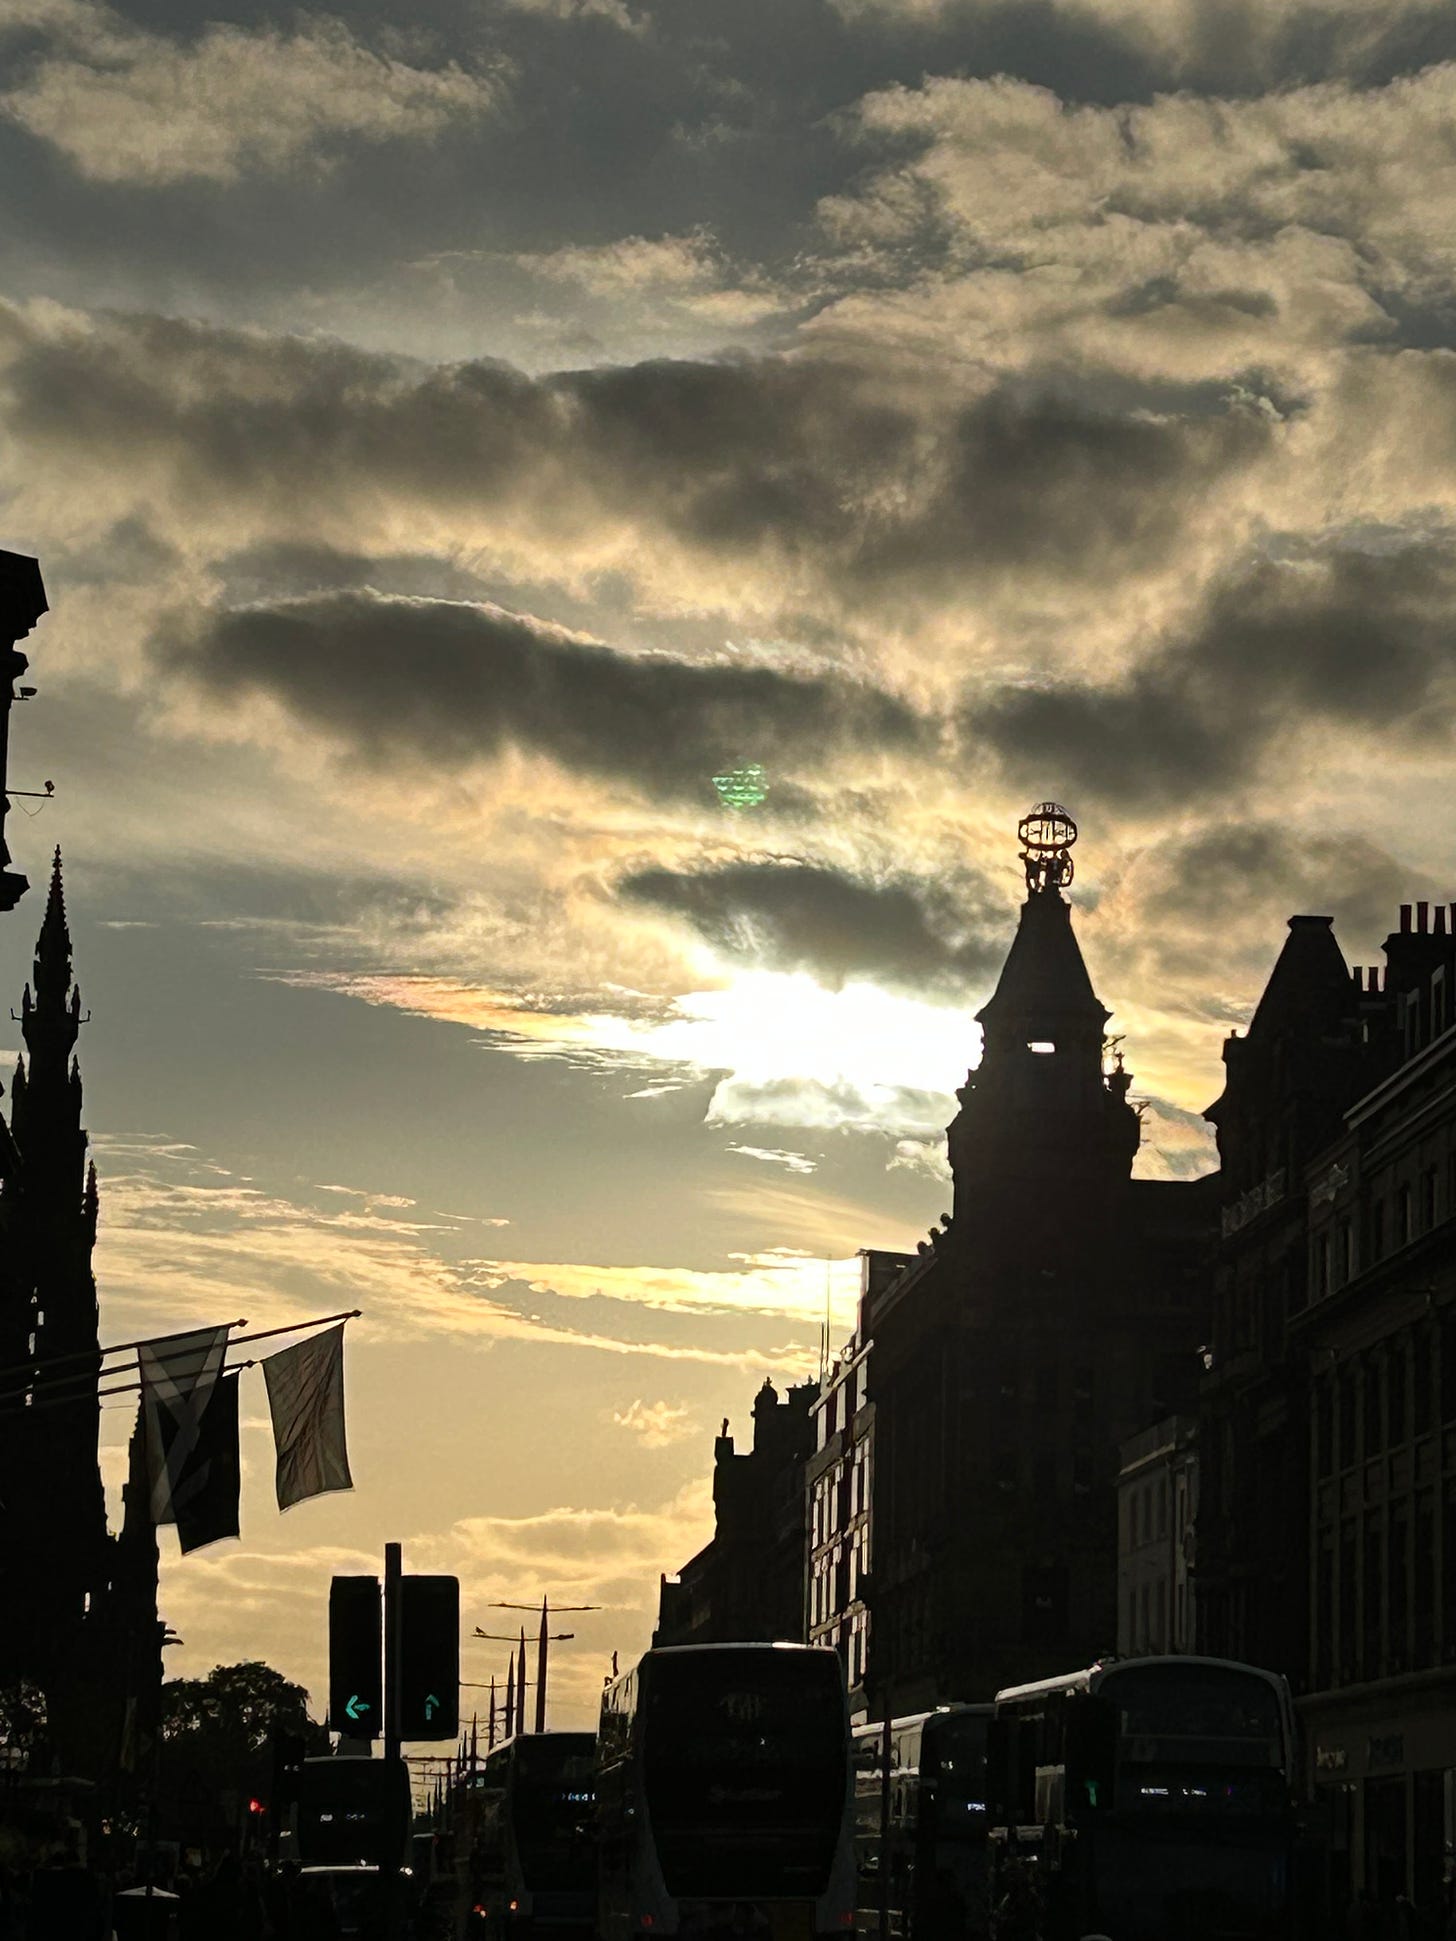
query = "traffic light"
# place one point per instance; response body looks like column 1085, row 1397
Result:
column 429, row 1657
column 356, row 1679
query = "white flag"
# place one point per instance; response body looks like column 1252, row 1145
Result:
column 179, row 1373
column 306, row 1398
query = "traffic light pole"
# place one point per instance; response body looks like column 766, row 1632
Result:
column 393, row 1571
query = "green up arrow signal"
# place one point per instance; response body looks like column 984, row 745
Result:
column 357, row 1707
column 432, row 1705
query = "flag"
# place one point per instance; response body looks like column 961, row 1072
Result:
column 179, row 1373
column 207, row 1495
column 306, row 1398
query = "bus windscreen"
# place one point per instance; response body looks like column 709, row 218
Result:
column 745, row 1770
column 1197, row 1714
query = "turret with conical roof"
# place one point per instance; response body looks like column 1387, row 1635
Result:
column 1039, row 1117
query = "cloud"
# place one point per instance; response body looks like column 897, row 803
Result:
column 1208, row 43
column 128, row 106
column 793, row 1162
column 1339, row 640
column 815, row 499
column 436, row 684
column 1182, row 239
column 656, row 1425
column 789, row 915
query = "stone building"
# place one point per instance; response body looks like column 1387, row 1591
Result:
column 839, row 1484
column 1157, row 1517
column 747, row 1584
column 1058, row 1310
column 1374, row 1340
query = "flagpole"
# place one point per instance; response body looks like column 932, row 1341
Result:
column 38, row 1370
column 125, row 1347
column 83, row 1396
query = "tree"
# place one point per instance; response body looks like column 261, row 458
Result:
column 240, row 1705
column 217, row 1745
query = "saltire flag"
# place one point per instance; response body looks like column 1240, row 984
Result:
column 179, row 1374
column 207, row 1496
column 306, row 1399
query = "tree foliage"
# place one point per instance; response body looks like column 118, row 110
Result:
column 240, row 1706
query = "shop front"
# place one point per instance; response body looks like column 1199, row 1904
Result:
column 1382, row 1760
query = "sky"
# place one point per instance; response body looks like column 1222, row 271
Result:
column 574, row 530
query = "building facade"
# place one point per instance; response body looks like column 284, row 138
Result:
column 1059, row 1309
column 839, row 1485
column 1157, row 1516
column 747, row 1584
column 1374, row 1339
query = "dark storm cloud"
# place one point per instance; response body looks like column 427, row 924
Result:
column 803, row 916
column 1354, row 640
column 1270, row 866
column 426, row 683
column 793, row 464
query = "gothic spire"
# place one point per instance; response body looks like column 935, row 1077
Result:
column 50, row 1019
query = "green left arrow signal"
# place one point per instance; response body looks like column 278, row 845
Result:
column 356, row 1707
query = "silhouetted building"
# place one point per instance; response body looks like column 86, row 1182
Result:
column 77, row 1606
column 22, row 602
column 1056, row 1311
column 839, row 1484
column 1289, row 1078
column 747, row 1584
column 1157, row 1514
column 1373, row 1340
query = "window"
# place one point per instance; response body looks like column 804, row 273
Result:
column 1345, row 1252
column 1398, row 1583
column 1349, row 1379
column 1405, row 1217
column 1322, row 1265
column 1428, row 1199
column 1424, row 1600
column 1374, row 1440
column 1395, row 1383
column 1324, row 1614
column 1324, row 1426
column 1423, row 1371
column 1376, row 1249
column 1349, row 1644
column 1448, row 1366
column 1373, row 1572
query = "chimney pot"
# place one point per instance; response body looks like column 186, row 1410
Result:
column 1405, row 917
column 1423, row 913
column 1440, row 919
column 1375, row 979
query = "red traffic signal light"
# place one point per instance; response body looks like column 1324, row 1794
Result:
column 257, row 1806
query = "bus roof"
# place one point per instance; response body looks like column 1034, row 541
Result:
column 745, row 1644
column 876, row 1727
column 1088, row 1679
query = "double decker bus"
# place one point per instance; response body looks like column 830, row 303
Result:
column 1152, row 1799
column 920, row 1825
column 723, row 1796
column 526, row 1838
